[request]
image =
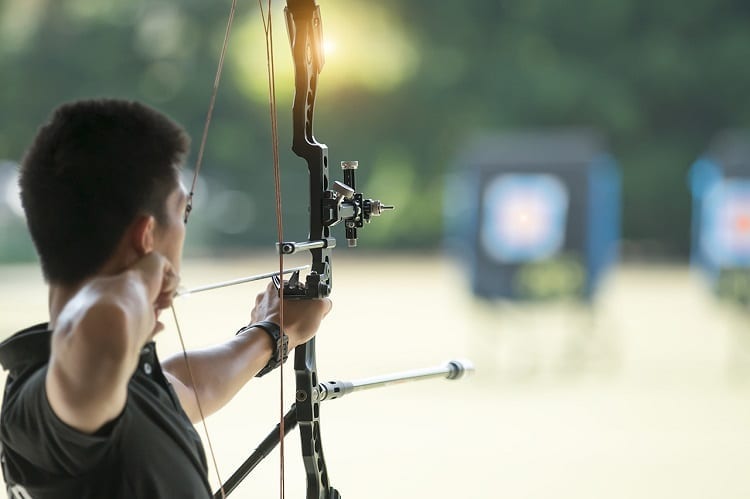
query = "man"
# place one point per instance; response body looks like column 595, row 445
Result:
column 89, row 411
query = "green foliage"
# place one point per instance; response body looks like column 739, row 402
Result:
column 733, row 286
column 657, row 78
column 561, row 277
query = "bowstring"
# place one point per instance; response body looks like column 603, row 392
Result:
column 210, row 112
column 188, row 209
column 198, row 403
column 271, row 71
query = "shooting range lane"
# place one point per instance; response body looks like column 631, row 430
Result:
column 654, row 403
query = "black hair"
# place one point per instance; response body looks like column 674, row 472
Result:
column 90, row 171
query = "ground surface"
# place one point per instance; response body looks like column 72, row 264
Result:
column 648, row 396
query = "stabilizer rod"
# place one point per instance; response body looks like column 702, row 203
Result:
column 331, row 390
column 453, row 369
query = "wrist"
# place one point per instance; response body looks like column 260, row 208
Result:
column 261, row 341
column 275, row 339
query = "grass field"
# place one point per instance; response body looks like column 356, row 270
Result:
column 644, row 396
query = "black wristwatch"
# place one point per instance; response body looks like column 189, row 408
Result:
column 280, row 344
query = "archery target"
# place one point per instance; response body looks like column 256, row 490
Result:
column 524, row 217
column 725, row 235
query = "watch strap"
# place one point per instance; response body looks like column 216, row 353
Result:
column 280, row 344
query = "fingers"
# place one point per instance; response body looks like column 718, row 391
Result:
column 170, row 282
column 329, row 304
column 159, row 277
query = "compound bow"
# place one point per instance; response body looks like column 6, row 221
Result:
column 329, row 205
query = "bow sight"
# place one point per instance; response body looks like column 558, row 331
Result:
column 342, row 204
column 351, row 206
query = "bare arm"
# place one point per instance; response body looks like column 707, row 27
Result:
column 221, row 371
column 97, row 341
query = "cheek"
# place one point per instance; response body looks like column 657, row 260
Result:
column 180, row 232
column 174, row 248
column 178, row 239
column 174, row 238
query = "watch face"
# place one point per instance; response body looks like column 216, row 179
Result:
column 524, row 217
column 725, row 221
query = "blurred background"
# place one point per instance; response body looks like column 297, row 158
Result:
column 572, row 182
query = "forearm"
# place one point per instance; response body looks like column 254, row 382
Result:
column 218, row 372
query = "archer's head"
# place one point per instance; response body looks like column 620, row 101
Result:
column 100, row 188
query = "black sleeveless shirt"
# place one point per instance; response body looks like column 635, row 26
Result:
column 151, row 451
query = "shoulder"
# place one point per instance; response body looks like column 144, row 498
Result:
column 24, row 411
column 30, row 430
column 25, row 356
column 26, row 349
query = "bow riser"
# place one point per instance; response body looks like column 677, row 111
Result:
column 305, row 34
column 329, row 205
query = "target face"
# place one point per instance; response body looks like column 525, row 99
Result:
column 524, row 217
column 725, row 235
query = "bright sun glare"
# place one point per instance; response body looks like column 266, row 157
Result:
column 387, row 51
column 329, row 47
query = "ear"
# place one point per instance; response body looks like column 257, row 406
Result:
column 142, row 234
